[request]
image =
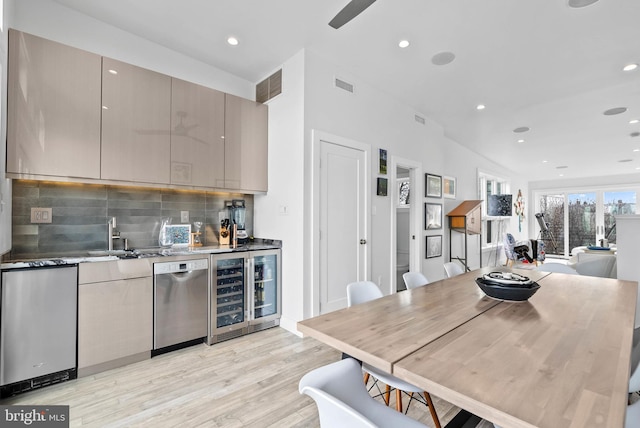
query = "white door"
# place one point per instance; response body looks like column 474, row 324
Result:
column 342, row 220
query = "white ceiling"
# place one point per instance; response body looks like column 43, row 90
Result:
column 540, row 64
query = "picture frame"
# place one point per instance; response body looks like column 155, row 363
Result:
column 432, row 186
column 181, row 234
column 382, row 157
column 432, row 216
column 382, row 187
column 433, row 246
column 449, row 187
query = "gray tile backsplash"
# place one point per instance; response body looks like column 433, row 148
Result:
column 80, row 213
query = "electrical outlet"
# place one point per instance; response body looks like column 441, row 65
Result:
column 184, row 216
column 40, row 215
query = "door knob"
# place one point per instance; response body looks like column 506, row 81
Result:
column 363, row 241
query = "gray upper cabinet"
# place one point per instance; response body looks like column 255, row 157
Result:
column 246, row 126
column 53, row 114
column 136, row 121
column 197, row 135
column 77, row 116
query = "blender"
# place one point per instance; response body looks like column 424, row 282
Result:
column 237, row 213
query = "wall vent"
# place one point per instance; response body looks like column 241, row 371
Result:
column 269, row 87
column 339, row 83
column 420, row 119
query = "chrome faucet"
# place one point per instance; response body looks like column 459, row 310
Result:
column 112, row 233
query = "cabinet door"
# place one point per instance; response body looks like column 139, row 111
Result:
column 115, row 320
column 197, row 135
column 53, row 114
column 245, row 144
column 136, row 120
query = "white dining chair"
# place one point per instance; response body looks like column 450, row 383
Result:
column 365, row 291
column 557, row 267
column 453, row 269
column 414, row 279
column 343, row 401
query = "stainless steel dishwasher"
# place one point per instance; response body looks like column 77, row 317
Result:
column 38, row 327
column 180, row 303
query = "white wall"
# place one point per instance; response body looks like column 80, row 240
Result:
column 280, row 213
column 48, row 19
column 372, row 117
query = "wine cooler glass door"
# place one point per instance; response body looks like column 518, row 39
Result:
column 229, row 286
column 265, row 296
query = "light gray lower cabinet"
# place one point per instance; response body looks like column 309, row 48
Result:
column 115, row 323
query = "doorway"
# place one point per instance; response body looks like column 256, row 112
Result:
column 341, row 218
column 406, row 212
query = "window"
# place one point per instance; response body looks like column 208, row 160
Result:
column 576, row 218
column 491, row 184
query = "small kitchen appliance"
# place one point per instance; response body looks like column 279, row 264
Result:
column 237, row 215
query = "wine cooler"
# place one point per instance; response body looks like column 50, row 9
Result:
column 245, row 293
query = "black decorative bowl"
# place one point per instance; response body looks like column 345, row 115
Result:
column 506, row 286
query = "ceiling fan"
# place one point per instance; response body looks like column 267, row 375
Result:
column 350, row 11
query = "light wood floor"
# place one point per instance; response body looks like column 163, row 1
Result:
column 250, row 381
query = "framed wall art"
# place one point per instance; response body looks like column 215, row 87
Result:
column 383, row 162
column 434, row 246
column 382, row 187
column 432, row 186
column 432, row 216
column 449, row 187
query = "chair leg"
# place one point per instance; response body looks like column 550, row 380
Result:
column 399, row 400
column 387, row 394
column 366, row 378
column 432, row 409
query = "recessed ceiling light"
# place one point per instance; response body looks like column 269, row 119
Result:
column 521, row 129
column 581, row 3
column 638, row 167
column 521, row 141
column 544, row 161
column 232, row 41
column 403, row 43
column 614, row 111
column 481, row 107
column 630, row 67
column 632, row 121
column 443, row 58
column 113, row 71
column 636, row 150
column 560, row 175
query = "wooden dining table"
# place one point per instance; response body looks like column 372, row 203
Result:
column 560, row 359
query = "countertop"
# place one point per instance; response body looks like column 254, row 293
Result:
column 105, row 255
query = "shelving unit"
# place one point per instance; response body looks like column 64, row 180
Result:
column 466, row 218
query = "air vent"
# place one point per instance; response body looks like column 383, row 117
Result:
column 343, row 85
column 269, row 87
column 419, row 119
